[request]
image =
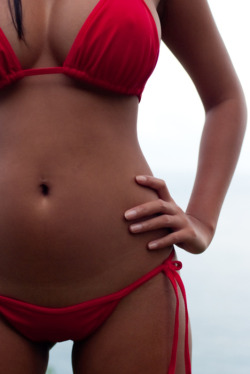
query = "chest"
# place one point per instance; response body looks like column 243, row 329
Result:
column 51, row 28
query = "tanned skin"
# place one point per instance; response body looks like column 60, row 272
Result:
column 69, row 157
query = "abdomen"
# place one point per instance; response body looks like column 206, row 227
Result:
column 65, row 183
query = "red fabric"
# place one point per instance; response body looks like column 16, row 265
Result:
column 76, row 322
column 116, row 49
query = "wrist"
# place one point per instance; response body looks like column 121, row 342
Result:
column 204, row 230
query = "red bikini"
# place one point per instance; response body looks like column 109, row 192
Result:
column 116, row 49
column 76, row 322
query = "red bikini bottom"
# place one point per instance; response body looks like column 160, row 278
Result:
column 76, row 322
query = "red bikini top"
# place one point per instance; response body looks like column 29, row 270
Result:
column 116, row 49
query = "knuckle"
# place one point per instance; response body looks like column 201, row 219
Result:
column 162, row 183
column 175, row 238
column 162, row 204
column 165, row 219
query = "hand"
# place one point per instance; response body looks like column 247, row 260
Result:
column 186, row 231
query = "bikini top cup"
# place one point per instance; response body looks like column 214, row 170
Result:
column 116, row 49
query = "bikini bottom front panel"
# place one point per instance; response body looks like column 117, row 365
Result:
column 76, row 322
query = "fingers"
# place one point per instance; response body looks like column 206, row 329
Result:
column 174, row 238
column 183, row 230
column 175, row 223
column 161, row 213
column 147, row 209
column 163, row 205
column 163, row 221
column 156, row 184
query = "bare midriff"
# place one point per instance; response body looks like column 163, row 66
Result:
column 68, row 160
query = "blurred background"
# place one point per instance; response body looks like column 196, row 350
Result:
column 217, row 282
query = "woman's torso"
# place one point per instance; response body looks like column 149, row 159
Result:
column 68, row 158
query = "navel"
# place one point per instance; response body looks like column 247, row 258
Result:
column 44, row 189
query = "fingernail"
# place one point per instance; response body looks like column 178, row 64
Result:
column 141, row 178
column 136, row 227
column 130, row 213
column 152, row 245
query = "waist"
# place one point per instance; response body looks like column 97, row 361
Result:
column 68, row 159
column 71, row 241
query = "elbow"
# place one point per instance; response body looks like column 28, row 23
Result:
column 233, row 102
column 240, row 106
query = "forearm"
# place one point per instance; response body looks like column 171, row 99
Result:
column 219, row 151
column 193, row 230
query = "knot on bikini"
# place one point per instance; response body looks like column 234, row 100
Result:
column 174, row 265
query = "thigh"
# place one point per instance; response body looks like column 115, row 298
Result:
column 137, row 338
column 18, row 355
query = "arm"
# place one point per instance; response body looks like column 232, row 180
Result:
column 189, row 31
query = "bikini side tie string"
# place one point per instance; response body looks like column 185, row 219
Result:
column 171, row 269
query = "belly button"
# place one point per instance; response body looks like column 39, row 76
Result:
column 44, row 189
